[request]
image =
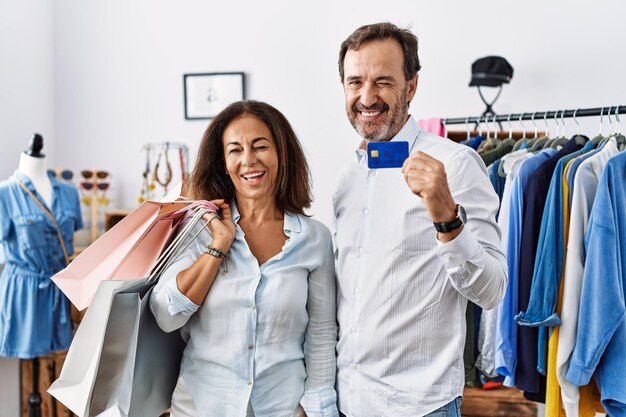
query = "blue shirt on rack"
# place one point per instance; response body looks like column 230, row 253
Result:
column 506, row 332
column 535, row 194
column 34, row 314
column 601, row 335
column 541, row 311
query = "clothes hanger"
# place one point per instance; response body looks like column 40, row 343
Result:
column 561, row 139
column 496, row 129
column 612, row 133
column 619, row 138
column 523, row 139
column 596, row 141
column 579, row 138
column 509, row 139
column 491, row 141
column 537, row 143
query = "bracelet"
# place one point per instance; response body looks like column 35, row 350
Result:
column 218, row 254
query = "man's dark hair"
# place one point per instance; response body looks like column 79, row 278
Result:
column 209, row 179
column 380, row 31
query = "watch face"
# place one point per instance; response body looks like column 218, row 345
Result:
column 462, row 214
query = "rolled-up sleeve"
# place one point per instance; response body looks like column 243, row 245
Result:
column 474, row 261
column 320, row 398
column 171, row 308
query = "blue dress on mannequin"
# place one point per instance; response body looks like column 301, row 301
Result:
column 34, row 314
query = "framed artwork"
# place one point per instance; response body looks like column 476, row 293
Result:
column 208, row 94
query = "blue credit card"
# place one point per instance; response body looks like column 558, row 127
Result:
column 386, row 154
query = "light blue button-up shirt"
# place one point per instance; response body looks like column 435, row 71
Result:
column 541, row 311
column 264, row 334
column 506, row 331
column 601, row 335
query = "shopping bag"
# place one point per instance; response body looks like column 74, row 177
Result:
column 128, row 250
column 120, row 363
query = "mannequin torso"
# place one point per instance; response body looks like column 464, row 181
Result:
column 35, row 169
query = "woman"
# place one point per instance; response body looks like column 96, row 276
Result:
column 254, row 294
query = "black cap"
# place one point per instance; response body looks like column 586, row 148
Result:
column 491, row 71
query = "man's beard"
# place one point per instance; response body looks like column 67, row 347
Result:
column 391, row 125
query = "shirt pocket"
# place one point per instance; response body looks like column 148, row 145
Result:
column 67, row 224
column 31, row 231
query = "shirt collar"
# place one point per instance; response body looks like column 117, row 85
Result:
column 291, row 222
column 409, row 133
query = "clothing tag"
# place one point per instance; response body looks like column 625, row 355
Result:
column 386, row 154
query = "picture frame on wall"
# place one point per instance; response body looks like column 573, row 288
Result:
column 207, row 94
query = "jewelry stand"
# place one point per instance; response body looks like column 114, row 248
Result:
column 152, row 169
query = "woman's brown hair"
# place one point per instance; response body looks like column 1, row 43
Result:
column 209, row 179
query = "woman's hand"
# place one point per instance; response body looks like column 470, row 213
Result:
column 223, row 231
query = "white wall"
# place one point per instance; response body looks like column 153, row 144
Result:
column 26, row 79
column 26, row 106
column 119, row 68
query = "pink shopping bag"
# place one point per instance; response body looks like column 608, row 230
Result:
column 129, row 250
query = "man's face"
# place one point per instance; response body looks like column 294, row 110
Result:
column 376, row 90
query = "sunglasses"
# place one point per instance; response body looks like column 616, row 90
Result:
column 87, row 174
column 65, row 174
column 102, row 186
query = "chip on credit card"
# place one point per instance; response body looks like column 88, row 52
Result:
column 387, row 154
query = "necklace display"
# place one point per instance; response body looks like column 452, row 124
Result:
column 147, row 185
column 168, row 169
column 161, row 172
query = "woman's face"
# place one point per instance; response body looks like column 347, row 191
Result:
column 251, row 157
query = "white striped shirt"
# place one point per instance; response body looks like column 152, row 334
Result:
column 402, row 294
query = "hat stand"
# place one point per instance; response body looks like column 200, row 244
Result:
column 489, row 109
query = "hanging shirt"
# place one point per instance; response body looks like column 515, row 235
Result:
column 402, row 294
column 535, row 193
column 601, row 332
column 546, row 278
column 506, row 335
column 265, row 335
column 585, row 185
column 488, row 334
column 553, row 391
column 574, row 167
column 34, row 314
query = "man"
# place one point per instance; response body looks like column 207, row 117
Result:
column 408, row 259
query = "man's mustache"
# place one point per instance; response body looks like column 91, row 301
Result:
column 374, row 107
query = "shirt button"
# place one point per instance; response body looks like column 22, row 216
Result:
column 250, row 382
column 55, row 253
column 354, row 367
column 372, row 173
column 252, row 307
column 250, row 346
column 357, row 290
column 446, row 257
column 353, row 330
column 361, row 251
column 366, row 212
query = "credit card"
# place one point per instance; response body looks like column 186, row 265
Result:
column 386, row 154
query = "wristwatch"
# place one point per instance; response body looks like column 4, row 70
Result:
column 445, row 227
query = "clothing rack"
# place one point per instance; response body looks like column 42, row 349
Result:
column 557, row 114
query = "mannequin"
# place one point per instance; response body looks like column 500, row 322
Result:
column 37, row 213
column 33, row 165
